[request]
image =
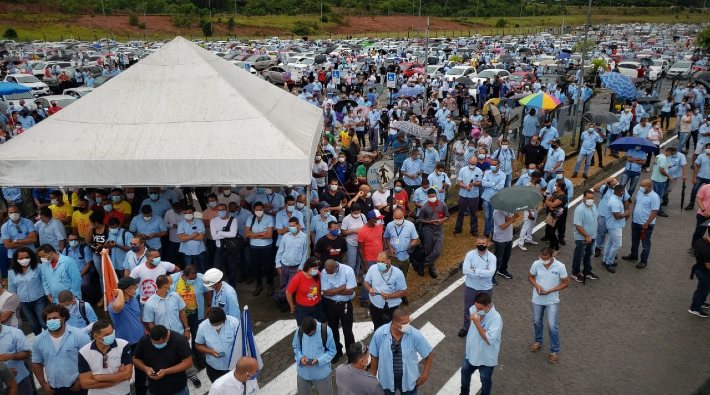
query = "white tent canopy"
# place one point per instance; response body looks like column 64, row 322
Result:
column 181, row 116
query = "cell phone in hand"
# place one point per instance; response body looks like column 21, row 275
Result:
column 221, row 354
column 312, row 361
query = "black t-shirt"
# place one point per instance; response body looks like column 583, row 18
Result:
column 702, row 254
column 172, row 354
column 332, row 200
column 533, row 154
column 331, row 249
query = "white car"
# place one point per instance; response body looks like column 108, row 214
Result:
column 630, row 69
column 78, row 92
column 661, row 65
column 61, row 100
column 460, row 71
column 681, row 68
column 38, row 87
column 435, row 71
column 491, row 74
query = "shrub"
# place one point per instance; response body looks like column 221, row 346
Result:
column 10, row 33
column 141, row 26
column 230, row 24
column 207, row 29
column 301, row 28
column 501, row 22
column 133, row 20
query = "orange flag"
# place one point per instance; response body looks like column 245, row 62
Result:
column 109, row 277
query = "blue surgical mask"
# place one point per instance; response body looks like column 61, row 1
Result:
column 221, row 213
column 494, row 168
column 113, row 231
column 116, row 198
column 289, row 209
column 156, row 261
column 212, row 204
column 398, row 189
column 381, row 266
column 153, row 196
column 108, row 207
column 109, row 339
column 160, row 346
column 73, row 243
column 99, row 200
column 334, row 232
column 313, row 272
column 293, row 229
column 642, row 189
column 190, row 282
column 54, row 324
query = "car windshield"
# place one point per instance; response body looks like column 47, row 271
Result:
column 682, row 65
column 455, row 71
column 515, row 77
column 26, row 79
column 307, row 61
column 18, row 96
column 487, row 74
column 432, row 69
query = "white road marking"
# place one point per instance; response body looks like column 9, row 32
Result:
column 453, row 386
column 432, row 334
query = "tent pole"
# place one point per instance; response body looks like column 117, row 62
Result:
column 308, row 217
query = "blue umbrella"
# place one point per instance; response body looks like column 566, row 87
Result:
column 249, row 348
column 620, row 84
column 9, row 88
column 628, row 143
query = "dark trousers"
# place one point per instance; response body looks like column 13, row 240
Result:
column 694, row 192
column 699, row 230
column 287, row 273
column 316, row 312
column 702, row 291
column 211, row 247
column 469, row 298
column 665, row 119
column 598, row 148
column 140, row 384
column 381, row 316
column 262, row 264
column 340, row 314
column 194, row 322
column 67, row 391
column 470, row 206
column 582, row 254
column 486, row 373
column 33, row 313
column 226, row 261
column 552, row 237
column 199, row 261
column 561, row 224
column 645, row 243
column 172, row 254
column 214, row 374
column 503, row 251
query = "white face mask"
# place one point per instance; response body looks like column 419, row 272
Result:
column 432, row 200
column 504, row 147
column 334, row 187
column 14, row 217
column 589, row 202
column 300, row 206
column 399, row 222
column 130, row 195
column 259, row 213
column 368, row 195
column 24, row 262
column 189, row 217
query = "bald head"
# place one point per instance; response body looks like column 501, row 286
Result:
column 646, row 184
column 246, row 368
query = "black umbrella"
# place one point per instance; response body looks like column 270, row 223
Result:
column 601, row 117
column 465, row 81
column 341, row 105
column 648, row 99
column 516, row 198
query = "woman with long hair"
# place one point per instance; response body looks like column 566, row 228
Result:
column 25, row 280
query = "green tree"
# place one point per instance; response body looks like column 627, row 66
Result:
column 207, row 29
column 230, row 24
column 703, row 40
column 10, row 33
column 133, row 20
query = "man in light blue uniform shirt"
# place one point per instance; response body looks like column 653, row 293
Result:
column 412, row 170
column 548, row 134
column 590, row 138
column 17, row 231
column 586, row 216
column 635, row 159
column 338, row 285
column 479, row 267
column 217, row 335
column 493, row 181
column 676, row 170
column 555, row 159
column 440, row 181
column 430, row 158
column 166, row 308
column 273, row 202
column 120, row 240
column 313, row 357
column 469, row 183
column 420, row 196
column 14, row 345
column 643, row 220
column 284, row 216
column 319, row 224
column 394, row 348
column 223, row 294
column 701, row 174
column 606, row 189
column 505, row 157
column 76, row 319
column 158, row 204
column 59, row 272
column 55, row 353
column 530, row 124
column 191, row 233
column 50, row 231
column 615, row 222
column 548, row 277
column 482, row 345
column 386, row 286
column 399, row 236
column 150, row 225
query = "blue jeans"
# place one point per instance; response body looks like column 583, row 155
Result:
column 488, row 218
column 645, row 243
column 390, row 139
column 612, row 246
column 582, row 255
column 631, row 178
column 33, row 313
column 538, row 311
column 199, row 261
column 508, row 180
column 601, row 233
column 587, row 161
column 486, row 372
column 353, row 259
column 659, row 188
column 682, row 138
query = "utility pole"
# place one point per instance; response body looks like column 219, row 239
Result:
column 321, row 12
column 426, row 52
column 145, row 22
column 585, row 45
column 103, row 11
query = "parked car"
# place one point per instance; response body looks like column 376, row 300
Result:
column 15, row 99
column 61, row 100
column 634, row 69
column 522, row 78
column 460, row 71
column 680, row 68
column 490, row 74
column 78, row 92
column 274, row 75
column 38, row 87
column 409, row 69
column 259, row 62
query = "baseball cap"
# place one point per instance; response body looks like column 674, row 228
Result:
column 126, row 282
column 374, row 214
column 322, row 205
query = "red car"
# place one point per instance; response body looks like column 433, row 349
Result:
column 409, row 69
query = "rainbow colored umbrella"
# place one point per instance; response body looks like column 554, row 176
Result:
column 540, row 100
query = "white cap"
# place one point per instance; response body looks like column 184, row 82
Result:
column 211, row 277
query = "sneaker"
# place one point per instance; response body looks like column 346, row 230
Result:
column 463, row 332
column 553, row 358
column 505, row 274
column 689, row 207
column 706, row 305
column 641, row 265
column 535, row 347
column 522, row 247
column 610, row 268
column 533, row 242
column 578, row 277
column 699, row 313
column 195, row 381
column 592, row 276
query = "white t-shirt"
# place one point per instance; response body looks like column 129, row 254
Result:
column 229, row 385
column 350, row 223
column 147, row 277
column 233, row 197
column 320, row 168
column 380, row 198
column 172, row 219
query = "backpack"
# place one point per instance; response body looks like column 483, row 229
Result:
column 82, row 311
column 323, row 335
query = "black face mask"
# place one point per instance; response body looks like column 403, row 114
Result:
column 481, row 247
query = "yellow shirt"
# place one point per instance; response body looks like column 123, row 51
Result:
column 345, row 139
column 60, row 213
column 124, row 207
column 81, row 223
column 187, row 293
column 74, row 199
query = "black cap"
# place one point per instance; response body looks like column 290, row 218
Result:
column 126, row 282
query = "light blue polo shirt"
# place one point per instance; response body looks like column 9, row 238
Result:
column 242, row 216
column 51, row 233
column 702, row 160
column 164, row 311
column 615, row 205
column 391, row 281
column 281, row 221
column 646, row 203
column 344, row 275
column 641, row 131
column 529, row 125
column 155, row 225
column 413, row 343
column 492, row 183
column 12, row 340
column 400, row 237
column 586, row 217
column 260, row 225
column 65, row 275
column 635, row 154
column 311, row 347
column 412, row 167
column 420, row 196
column 478, row 352
column 675, row 164
column 467, row 176
column 226, row 298
column 221, row 342
column 547, row 135
column 191, row 247
column 77, row 321
column 479, row 270
column 554, row 156
column 160, row 206
column 547, row 279
column 61, row 366
column 319, row 225
column 118, row 256
column 12, row 231
column 27, row 286
column 606, row 193
column 505, row 160
column 590, row 138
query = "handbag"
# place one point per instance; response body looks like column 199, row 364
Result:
column 550, row 220
column 232, row 244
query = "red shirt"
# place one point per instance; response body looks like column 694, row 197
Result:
column 307, row 289
column 401, row 199
column 114, row 214
column 371, row 239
